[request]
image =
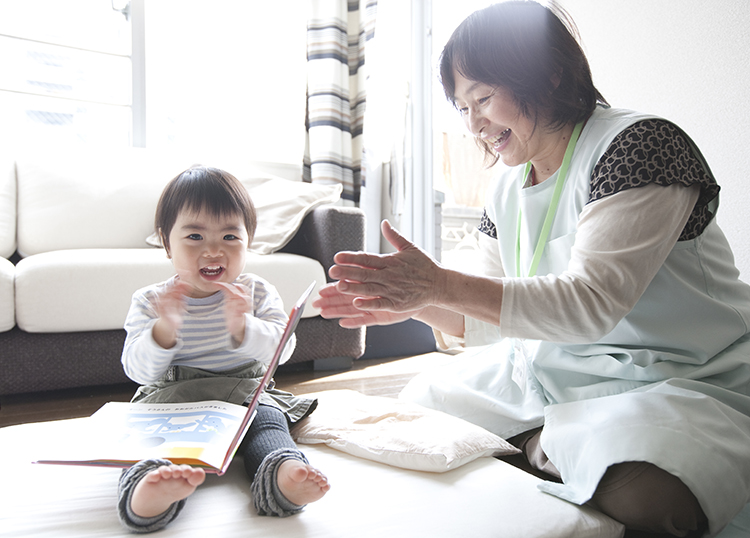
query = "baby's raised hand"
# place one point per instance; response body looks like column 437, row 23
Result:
column 239, row 300
column 170, row 308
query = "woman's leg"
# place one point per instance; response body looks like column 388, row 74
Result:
column 532, row 458
column 647, row 498
column 640, row 495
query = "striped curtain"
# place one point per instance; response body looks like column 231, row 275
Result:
column 337, row 35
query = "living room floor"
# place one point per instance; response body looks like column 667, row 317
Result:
column 373, row 377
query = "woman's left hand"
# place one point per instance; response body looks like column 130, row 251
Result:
column 404, row 281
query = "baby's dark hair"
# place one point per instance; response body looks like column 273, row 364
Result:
column 202, row 188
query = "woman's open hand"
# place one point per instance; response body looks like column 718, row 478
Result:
column 373, row 288
column 333, row 304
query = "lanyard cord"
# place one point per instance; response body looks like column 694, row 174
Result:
column 551, row 210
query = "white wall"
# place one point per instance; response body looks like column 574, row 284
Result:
column 689, row 61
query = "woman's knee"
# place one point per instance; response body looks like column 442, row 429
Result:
column 644, row 497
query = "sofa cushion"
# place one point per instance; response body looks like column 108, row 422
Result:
column 281, row 205
column 7, row 313
column 108, row 199
column 291, row 274
column 91, row 289
column 100, row 200
column 7, row 207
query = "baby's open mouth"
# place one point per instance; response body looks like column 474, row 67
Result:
column 212, row 270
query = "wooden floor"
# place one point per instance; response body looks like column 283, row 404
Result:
column 375, row 377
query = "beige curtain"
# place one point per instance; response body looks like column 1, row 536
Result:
column 338, row 33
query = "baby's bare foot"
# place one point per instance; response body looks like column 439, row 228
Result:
column 156, row 491
column 300, row 483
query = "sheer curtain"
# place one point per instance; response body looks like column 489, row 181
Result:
column 338, row 35
column 386, row 167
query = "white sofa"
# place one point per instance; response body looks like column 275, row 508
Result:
column 73, row 231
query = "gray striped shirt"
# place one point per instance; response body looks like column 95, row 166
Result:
column 204, row 341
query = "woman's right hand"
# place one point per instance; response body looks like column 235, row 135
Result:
column 405, row 281
column 335, row 304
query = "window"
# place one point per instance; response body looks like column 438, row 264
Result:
column 66, row 73
column 459, row 173
column 204, row 77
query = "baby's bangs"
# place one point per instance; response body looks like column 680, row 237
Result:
column 205, row 189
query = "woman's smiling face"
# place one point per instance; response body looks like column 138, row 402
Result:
column 491, row 113
column 206, row 249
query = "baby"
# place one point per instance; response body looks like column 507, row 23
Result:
column 208, row 333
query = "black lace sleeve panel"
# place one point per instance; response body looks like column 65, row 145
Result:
column 656, row 151
column 486, row 226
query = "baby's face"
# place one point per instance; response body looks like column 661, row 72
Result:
column 206, row 249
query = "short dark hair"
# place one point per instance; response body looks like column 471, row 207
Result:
column 202, row 188
column 523, row 46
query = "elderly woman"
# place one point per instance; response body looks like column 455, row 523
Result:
column 613, row 326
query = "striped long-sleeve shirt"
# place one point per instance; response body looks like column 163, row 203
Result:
column 203, row 341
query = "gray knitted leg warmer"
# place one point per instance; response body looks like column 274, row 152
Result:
column 267, row 498
column 128, row 480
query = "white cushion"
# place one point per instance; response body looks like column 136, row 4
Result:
column 91, row 289
column 291, row 274
column 7, row 300
column 107, row 199
column 83, row 289
column 7, row 207
column 396, row 432
column 281, row 206
column 91, row 200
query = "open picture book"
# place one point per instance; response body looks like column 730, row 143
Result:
column 202, row 434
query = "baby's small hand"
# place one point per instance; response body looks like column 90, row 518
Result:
column 170, row 307
column 239, row 300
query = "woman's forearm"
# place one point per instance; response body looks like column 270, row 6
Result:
column 446, row 321
column 464, row 294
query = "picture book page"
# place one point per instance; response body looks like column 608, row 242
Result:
column 199, row 433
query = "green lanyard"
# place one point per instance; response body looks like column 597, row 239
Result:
column 551, row 210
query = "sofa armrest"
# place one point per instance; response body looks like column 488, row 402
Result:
column 327, row 230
